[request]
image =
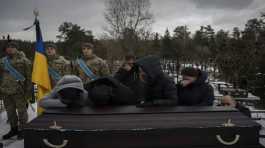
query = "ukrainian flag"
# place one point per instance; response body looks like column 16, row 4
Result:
column 40, row 75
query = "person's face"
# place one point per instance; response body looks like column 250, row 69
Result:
column 70, row 95
column 130, row 62
column 228, row 101
column 87, row 52
column 187, row 80
column 128, row 65
column 11, row 50
column 50, row 51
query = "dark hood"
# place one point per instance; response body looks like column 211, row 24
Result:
column 151, row 66
column 109, row 91
column 203, row 76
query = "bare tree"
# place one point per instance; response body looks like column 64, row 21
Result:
column 128, row 17
column 127, row 14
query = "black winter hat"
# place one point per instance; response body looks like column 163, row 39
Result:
column 87, row 45
column 109, row 91
column 101, row 94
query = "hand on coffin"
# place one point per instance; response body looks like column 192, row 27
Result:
column 145, row 104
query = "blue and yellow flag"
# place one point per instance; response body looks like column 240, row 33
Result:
column 40, row 75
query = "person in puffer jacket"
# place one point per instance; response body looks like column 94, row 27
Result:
column 68, row 92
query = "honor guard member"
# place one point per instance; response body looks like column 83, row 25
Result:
column 15, row 70
column 58, row 65
column 89, row 66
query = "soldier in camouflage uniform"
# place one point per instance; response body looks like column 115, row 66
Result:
column 58, row 65
column 96, row 65
column 14, row 88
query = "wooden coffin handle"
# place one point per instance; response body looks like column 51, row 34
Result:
column 220, row 139
column 47, row 143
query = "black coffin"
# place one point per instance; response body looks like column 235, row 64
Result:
column 132, row 127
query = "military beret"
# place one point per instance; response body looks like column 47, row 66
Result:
column 12, row 45
column 87, row 45
column 51, row 45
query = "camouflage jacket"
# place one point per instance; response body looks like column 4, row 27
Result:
column 8, row 84
column 97, row 65
column 60, row 65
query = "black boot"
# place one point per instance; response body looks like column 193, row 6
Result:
column 13, row 132
column 20, row 135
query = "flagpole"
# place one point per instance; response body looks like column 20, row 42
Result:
column 35, row 89
column 36, row 13
column 40, row 75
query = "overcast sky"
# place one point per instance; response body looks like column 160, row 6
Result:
column 226, row 14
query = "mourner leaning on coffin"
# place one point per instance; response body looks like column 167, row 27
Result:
column 156, row 86
column 71, row 93
column 68, row 92
column 193, row 90
column 107, row 91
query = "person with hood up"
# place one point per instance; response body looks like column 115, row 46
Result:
column 156, row 87
column 193, row 89
column 68, row 92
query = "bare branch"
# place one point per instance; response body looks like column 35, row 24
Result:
column 128, row 14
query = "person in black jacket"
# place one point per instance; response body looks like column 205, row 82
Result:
column 107, row 91
column 70, row 92
column 128, row 73
column 156, row 88
column 193, row 89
